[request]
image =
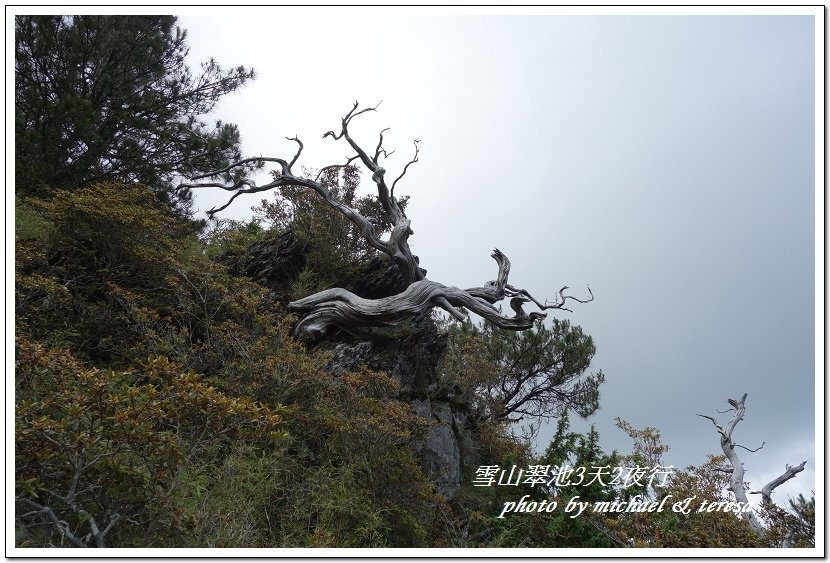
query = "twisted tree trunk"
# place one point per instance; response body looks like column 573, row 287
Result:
column 338, row 308
column 736, row 471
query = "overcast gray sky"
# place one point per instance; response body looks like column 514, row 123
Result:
column 667, row 161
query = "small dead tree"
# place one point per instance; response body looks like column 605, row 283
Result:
column 736, row 471
column 333, row 308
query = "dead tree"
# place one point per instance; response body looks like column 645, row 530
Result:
column 736, row 471
column 338, row 308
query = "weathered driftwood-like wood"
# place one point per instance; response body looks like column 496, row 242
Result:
column 736, row 480
column 766, row 491
column 340, row 308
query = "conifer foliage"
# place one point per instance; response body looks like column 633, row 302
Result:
column 110, row 98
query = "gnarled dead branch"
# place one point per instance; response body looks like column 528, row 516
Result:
column 789, row 473
column 736, row 481
column 339, row 308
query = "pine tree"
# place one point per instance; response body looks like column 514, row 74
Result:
column 110, row 98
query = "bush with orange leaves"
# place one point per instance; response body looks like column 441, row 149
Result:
column 99, row 453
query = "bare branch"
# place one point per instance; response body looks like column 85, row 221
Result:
column 238, row 163
column 715, row 422
column 380, row 148
column 93, row 525
column 252, row 190
column 299, row 151
column 399, row 246
column 227, row 187
column 740, row 409
column 61, row 525
column 113, row 519
column 363, row 111
column 557, row 304
column 766, row 491
column 334, row 166
column 749, row 450
column 347, row 119
column 417, row 143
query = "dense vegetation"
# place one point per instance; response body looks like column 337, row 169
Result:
column 161, row 401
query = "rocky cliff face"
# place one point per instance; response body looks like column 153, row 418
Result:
column 410, row 353
column 411, row 357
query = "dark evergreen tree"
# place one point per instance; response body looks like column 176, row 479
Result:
column 527, row 376
column 110, row 98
